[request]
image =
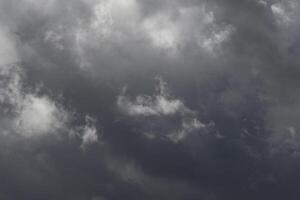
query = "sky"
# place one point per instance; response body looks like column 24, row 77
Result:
column 149, row 100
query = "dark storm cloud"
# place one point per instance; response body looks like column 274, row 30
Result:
column 84, row 116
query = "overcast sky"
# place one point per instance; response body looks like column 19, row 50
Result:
column 149, row 99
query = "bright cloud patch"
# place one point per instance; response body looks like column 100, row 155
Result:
column 284, row 12
column 162, row 32
column 211, row 43
column 89, row 132
column 170, row 33
column 147, row 105
column 160, row 109
column 33, row 114
column 160, row 104
column 281, row 14
column 121, row 23
column 39, row 115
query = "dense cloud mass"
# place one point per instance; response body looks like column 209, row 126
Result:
column 149, row 100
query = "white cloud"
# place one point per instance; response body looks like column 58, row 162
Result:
column 39, row 115
column 216, row 38
column 285, row 12
column 162, row 32
column 112, row 23
column 187, row 127
column 111, row 14
column 262, row 2
column 281, row 14
column 161, row 104
column 30, row 113
column 170, row 33
column 167, row 31
column 147, row 105
column 89, row 132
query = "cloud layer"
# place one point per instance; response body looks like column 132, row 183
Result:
column 136, row 99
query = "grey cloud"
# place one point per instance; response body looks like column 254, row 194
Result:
column 225, row 126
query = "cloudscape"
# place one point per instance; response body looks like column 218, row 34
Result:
column 149, row 99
